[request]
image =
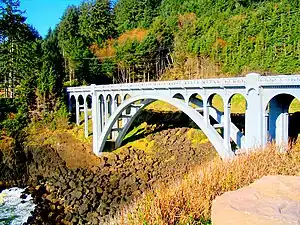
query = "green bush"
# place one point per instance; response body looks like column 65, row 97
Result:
column 13, row 126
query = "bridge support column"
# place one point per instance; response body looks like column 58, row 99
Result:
column 77, row 112
column 227, row 123
column 102, row 114
column 205, row 111
column 279, row 123
column 265, row 129
column 254, row 113
column 95, row 119
column 86, row 119
column 115, row 127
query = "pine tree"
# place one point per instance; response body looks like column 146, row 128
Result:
column 95, row 21
column 16, row 46
column 135, row 13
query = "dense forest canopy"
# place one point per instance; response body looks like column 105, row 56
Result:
column 141, row 40
column 100, row 42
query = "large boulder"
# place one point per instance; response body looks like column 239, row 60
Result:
column 272, row 200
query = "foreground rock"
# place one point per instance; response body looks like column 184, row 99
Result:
column 272, row 200
column 69, row 193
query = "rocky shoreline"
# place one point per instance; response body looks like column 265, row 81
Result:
column 90, row 196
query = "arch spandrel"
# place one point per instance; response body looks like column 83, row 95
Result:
column 208, row 130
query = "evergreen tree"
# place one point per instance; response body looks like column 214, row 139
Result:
column 69, row 39
column 16, row 40
column 135, row 13
column 95, row 21
column 50, row 81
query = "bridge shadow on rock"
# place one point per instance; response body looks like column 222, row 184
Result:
column 156, row 122
column 159, row 121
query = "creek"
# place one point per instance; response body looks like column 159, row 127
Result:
column 15, row 207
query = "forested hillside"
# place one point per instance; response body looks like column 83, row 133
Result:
column 103, row 41
column 144, row 40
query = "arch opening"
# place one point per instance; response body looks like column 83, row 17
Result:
column 88, row 115
column 238, row 104
column 196, row 101
column 216, row 101
column 72, row 108
column 80, row 100
column 118, row 101
column 102, row 109
column 128, row 110
column 179, row 96
column 281, row 119
column 81, row 107
column 109, row 103
column 294, row 121
column 89, row 101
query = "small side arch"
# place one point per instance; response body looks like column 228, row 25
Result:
column 101, row 111
column 128, row 110
column 217, row 101
column 195, row 100
column 80, row 100
column 179, row 96
column 72, row 108
column 88, row 101
column 118, row 100
column 109, row 103
column 127, row 96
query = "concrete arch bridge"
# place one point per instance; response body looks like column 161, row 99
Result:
column 115, row 107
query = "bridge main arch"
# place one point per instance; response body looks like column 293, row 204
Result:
column 207, row 129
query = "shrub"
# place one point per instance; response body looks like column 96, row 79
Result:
column 14, row 124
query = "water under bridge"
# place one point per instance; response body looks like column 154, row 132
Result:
column 115, row 107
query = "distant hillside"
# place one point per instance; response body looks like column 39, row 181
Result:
column 142, row 40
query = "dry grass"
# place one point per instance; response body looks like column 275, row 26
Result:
column 189, row 201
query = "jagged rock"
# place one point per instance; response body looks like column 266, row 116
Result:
column 76, row 194
column 272, row 200
column 83, row 209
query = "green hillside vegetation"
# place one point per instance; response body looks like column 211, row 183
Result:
column 204, row 38
column 102, row 42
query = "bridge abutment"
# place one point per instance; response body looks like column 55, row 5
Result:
column 254, row 113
